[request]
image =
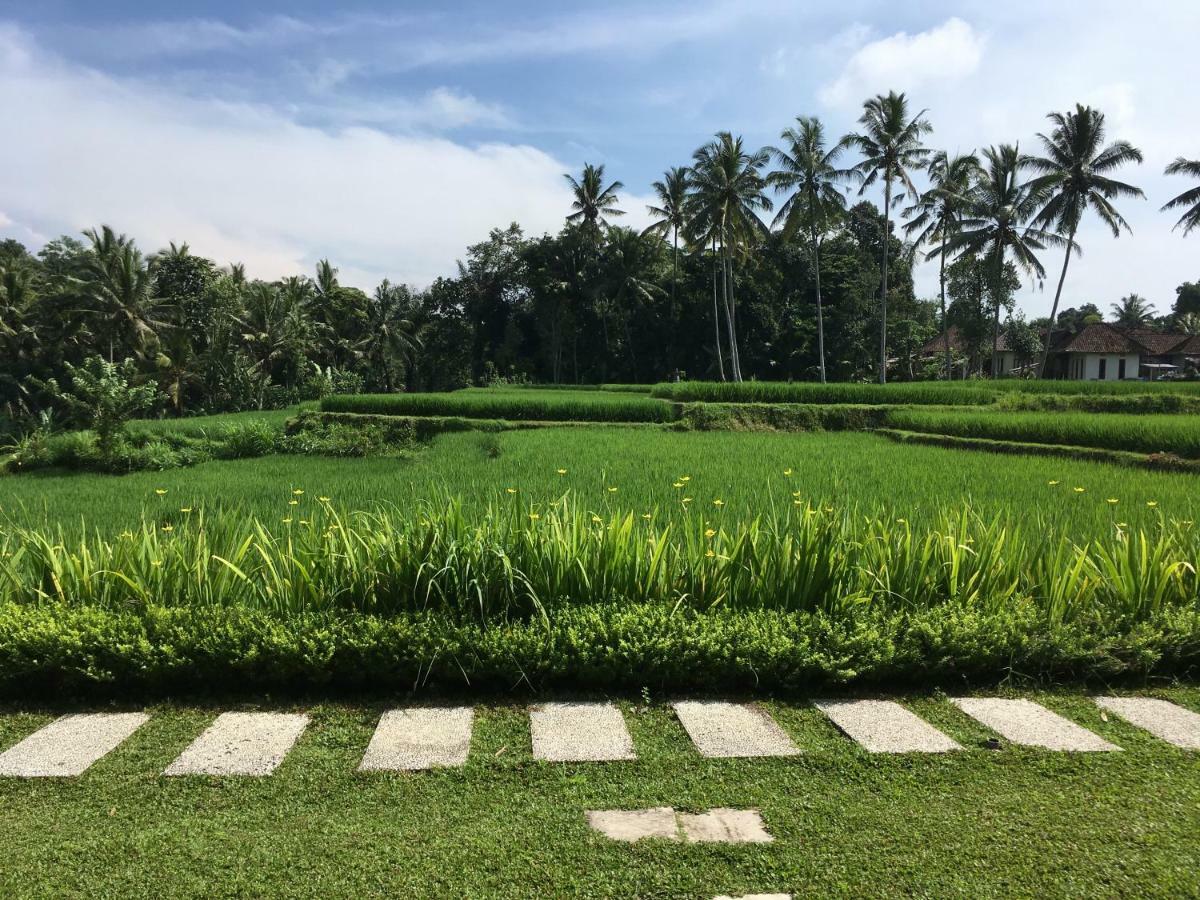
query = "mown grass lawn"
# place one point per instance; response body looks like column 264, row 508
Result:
column 974, row 823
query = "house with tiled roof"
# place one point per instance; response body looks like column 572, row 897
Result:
column 1007, row 360
column 1097, row 352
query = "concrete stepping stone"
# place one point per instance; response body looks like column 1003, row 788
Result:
column 579, row 732
column 70, row 745
column 882, row 726
column 725, row 826
column 420, row 738
column 241, row 744
column 1161, row 718
column 755, row 897
column 631, row 825
column 721, row 729
column 1025, row 722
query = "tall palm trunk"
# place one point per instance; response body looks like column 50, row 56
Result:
column 945, row 321
column 996, row 311
column 820, row 315
column 717, row 314
column 1062, row 277
column 887, row 234
column 735, row 361
column 672, row 360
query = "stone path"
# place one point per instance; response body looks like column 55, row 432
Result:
column 1025, row 722
column 416, row 738
column 882, row 726
column 1164, row 720
column 733, row 729
column 420, row 738
column 721, row 825
column 68, row 746
column 579, row 732
column 241, row 744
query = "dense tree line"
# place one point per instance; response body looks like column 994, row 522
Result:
column 762, row 263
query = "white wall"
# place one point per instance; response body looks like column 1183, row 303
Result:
column 1112, row 366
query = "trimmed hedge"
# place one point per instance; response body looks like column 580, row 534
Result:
column 508, row 405
column 60, row 650
column 781, row 417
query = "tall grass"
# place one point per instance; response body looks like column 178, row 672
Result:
column 523, row 562
column 564, row 406
column 1179, row 434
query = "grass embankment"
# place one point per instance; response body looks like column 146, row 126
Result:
column 1138, row 433
column 566, row 406
column 969, row 823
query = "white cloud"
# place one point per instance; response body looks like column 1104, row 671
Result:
column 905, row 61
column 249, row 184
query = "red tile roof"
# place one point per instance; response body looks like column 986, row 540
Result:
column 1099, row 338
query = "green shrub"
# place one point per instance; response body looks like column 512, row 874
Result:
column 1146, row 404
column 780, row 417
column 247, row 440
column 595, row 406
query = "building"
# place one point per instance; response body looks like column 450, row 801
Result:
column 1006, row 359
column 1097, row 352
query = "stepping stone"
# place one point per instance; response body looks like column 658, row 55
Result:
column 733, row 729
column 882, row 726
column 68, row 746
column 422, row 738
column 241, row 744
column 755, row 897
column 579, row 732
column 1025, row 722
column 1163, row 719
column 725, row 826
column 635, row 824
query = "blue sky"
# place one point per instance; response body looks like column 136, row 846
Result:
column 388, row 136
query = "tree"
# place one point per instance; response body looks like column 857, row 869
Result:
column 629, row 264
column 995, row 225
column 390, row 335
column 105, row 395
column 594, row 202
column 119, row 292
column 1189, row 200
column 1133, row 311
column 1073, row 177
column 937, row 214
column 809, row 171
column 670, row 218
column 890, row 142
column 727, row 195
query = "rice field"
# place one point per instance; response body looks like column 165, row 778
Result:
column 1177, row 434
column 515, row 404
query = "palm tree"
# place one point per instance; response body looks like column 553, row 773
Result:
column 119, row 290
column 994, row 225
column 630, row 260
column 890, row 143
column 390, row 334
column 1189, row 198
column 810, row 172
column 727, row 194
column 938, row 213
column 670, row 218
column 593, row 201
column 1133, row 311
column 1073, row 177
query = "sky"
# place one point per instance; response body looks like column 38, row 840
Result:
column 389, row 136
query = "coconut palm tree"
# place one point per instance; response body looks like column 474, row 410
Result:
column 119, row 291
column 809, row 171
column 630, row 263
column 1133, row 311
column 1073, row 177
column 389, row 334
column 727, row 195
column 890, row 142
column 1189, row 198
column 995, row 226
column 670, row 218
column 594, row 202
column 937, row 213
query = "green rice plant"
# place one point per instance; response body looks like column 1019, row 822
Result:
column 564, row 406
column 937, row 393
column 1179, row 434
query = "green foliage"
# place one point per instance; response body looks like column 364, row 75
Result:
column 592, row 406
column 104, row 396
column 814, row 392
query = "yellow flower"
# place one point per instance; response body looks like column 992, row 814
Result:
column 1113, row 500
column 304, row 521
column 534, row 516
column 795, row 493
column 510, row 490
column 1080, row 490
column 677, row 484
column 787, row 473
column 797, row 503
column 597, row 519
column 709, row 533
column 1052, row 483
column 561, row 471
column 1122, row 524
column 156, row 562
column 323, row 499
column 718, row 502
column 687, row 499
column 829, row 509
column 160, row 491
column 685, row 477
column 185, row 509
column 709, row 554
column 645, row 515
column 168, row 528
column 287, row 520
column 297, row 492
column 612, row 490
column 902, row 521
column 1152, row 503
column 293, row 503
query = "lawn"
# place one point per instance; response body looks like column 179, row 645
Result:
column 977, row 823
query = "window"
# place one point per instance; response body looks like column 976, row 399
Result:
column 1121, row 368
column 1103, row 366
